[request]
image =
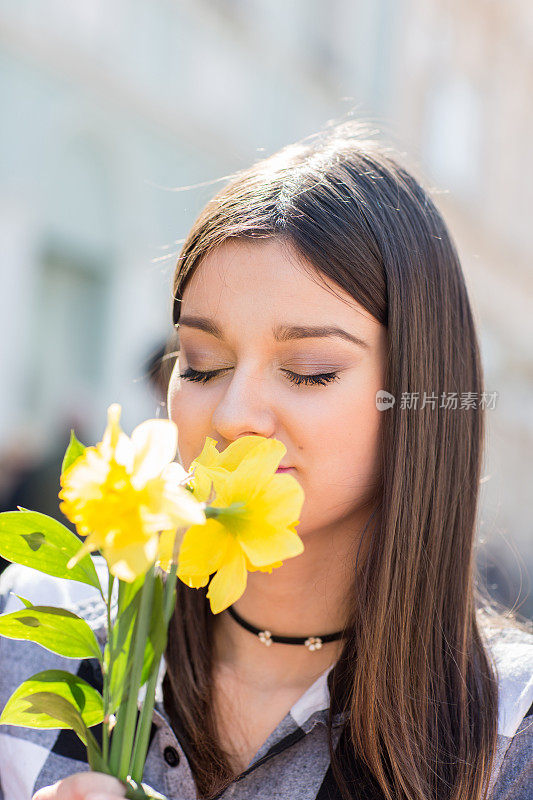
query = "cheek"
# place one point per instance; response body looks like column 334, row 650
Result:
column 342, row 456
column 191, row 418
column 361, row 434
column 344, row 431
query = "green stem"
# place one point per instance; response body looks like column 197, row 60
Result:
column 136, row 791
column 145, row 722
column 116, row 738
column 143, row 729
column 129, row 717
column 169, row 598
column 107, row 674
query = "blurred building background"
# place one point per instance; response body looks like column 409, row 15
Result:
column 109, row 105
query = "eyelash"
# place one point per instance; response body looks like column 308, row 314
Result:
column 320, row 379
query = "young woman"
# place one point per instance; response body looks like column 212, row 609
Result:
column 319, row 300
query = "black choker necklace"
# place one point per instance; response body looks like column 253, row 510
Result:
column 311, row 642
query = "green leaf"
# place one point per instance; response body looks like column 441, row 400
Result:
column 119, row 641
column 27, row 708
column 55, row 629
column 38, row 541
column 60, row 709
column 23, row 600
column 74, row 450
column 128, row 591
column 64, row 711
column 157, row 636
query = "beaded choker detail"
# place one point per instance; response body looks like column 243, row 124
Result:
column 311, row 642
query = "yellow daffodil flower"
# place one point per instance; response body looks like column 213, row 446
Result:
column 251, row 522
column 124, row 492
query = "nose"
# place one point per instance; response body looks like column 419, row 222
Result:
column 244, row 409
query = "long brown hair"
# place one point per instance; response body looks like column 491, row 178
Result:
column 414, row 678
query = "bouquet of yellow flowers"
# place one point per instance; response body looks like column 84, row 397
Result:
column 153, row 522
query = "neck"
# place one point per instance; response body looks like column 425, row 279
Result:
column 307, row 596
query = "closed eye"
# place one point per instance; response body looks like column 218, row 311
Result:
column 319, row 379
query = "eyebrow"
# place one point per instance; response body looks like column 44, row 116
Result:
column 282, row 333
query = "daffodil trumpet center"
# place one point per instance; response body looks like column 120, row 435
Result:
column 233, row 510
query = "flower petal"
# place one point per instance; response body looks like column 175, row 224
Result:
column 131, row 561
column 115, row 445
column 166, row 505
column 194, row 581
column 264, row 545
column 203, row 548
column 258, row 466
column 201, row 468
column 221, row 484
column 154, row 442
column 175, row 473
column 89, row 546
column 209, row 455
column 88, row 473
column 113, row 430
column 169, row 545
column 280, row 501
column 250, row 567
column 229, row 583
column 270, row 567
column 231, row 457
column 202, row 482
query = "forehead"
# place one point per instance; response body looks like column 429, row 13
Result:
column 267, row 279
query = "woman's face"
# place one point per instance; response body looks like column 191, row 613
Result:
column 255, row 331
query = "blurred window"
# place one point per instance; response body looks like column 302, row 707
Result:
column 69, row 331
column 453, row 134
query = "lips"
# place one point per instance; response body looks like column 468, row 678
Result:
column 284, row 469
